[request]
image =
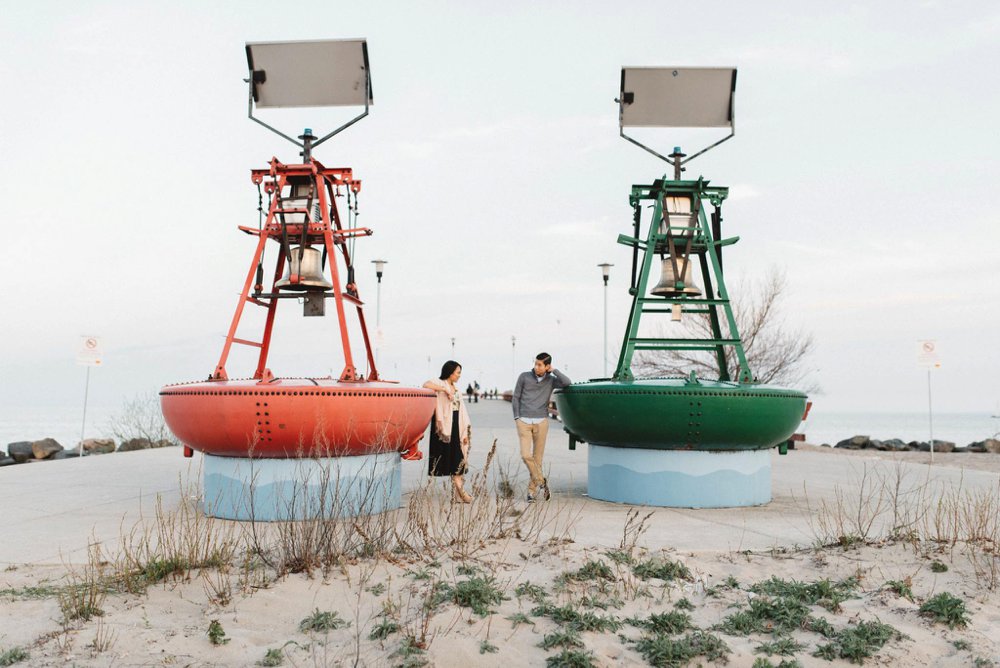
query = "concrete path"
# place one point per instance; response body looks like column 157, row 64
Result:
column 52, row 510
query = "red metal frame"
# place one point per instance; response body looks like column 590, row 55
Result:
column 327, row 231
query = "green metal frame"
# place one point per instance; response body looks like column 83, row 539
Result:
column 662, row 239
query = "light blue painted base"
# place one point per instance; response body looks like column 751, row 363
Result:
column 238, row 488
column 679, row 478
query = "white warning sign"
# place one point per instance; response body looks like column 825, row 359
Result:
column 90, row 352
column 927, row 354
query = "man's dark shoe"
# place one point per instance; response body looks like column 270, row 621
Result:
column 531, row 498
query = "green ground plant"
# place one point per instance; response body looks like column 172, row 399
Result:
column 478, row 593
column 946, row 609
column 939, row 567
column 621, row 557
column 684, row 604
column 902, row 588
column 383, row 629
column 36, row 592
column 602, row 603
column 571, row 658
column 662, row 569
column 858, row 643
column 784, row 646
column 323, row 621
column 767, row 615
column 519, row 618
column 9, row 657
column 761, row 662
column 410, row 653
column 532, row 592
column 669, row 623
column 825, row 593
column 486, row 647
column 662, row 650
column 216, row 634
column 561, row 638
column 574, row 619
column 272, row 657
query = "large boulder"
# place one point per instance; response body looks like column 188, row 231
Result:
column 894, row 444
column 854, row 443
column 989, row 445
column 45, row 448
column 6, row 461
column 918, row 445
column 65, row 454
column 135, row 444
column 97, row 446
column 876, row 444
column 20, row 451
column 163, row 443
column 939, row 446
column 992, row 445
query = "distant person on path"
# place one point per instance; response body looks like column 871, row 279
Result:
column 451, row 431
column 531, row 415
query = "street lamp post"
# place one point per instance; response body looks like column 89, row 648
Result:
column 605, row 272
column 379, row 268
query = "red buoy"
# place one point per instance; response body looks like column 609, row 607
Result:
column 269, row 417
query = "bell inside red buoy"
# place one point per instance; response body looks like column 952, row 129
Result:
column 305, row 274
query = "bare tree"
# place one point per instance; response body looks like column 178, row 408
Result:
column 141, row 418
column 774, row 353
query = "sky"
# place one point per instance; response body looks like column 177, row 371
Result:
column 864, row 168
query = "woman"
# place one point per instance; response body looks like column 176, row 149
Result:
column 450, row 430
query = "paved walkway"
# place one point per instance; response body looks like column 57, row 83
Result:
column 51, row 510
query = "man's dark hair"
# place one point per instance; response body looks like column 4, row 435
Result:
column 448, row 369
column 545, row 358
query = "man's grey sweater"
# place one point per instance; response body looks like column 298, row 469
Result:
column 531, row 396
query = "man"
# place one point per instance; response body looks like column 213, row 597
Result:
column 531, row 415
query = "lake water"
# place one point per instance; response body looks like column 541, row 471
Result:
column 961, row 428
column 63, row 424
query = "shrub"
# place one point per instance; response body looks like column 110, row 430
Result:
column 323, row 621
column 660, row 650
column 946, row 609
column 858, row 643
column 477, row 593
column 662, row 569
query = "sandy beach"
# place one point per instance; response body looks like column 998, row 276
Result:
column 108, row 563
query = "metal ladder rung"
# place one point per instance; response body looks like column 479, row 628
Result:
column 687, row 300
column 668, row 311
column 666, row 347
column 711, row 342
column 253, row 344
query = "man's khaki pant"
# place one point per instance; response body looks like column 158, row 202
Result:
column 532, row 437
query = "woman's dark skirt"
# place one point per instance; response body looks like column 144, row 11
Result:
column 446, row 458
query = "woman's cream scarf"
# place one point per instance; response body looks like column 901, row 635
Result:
column 442, row 416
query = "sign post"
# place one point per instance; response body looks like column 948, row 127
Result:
column 90, row 353
column 927, row 358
